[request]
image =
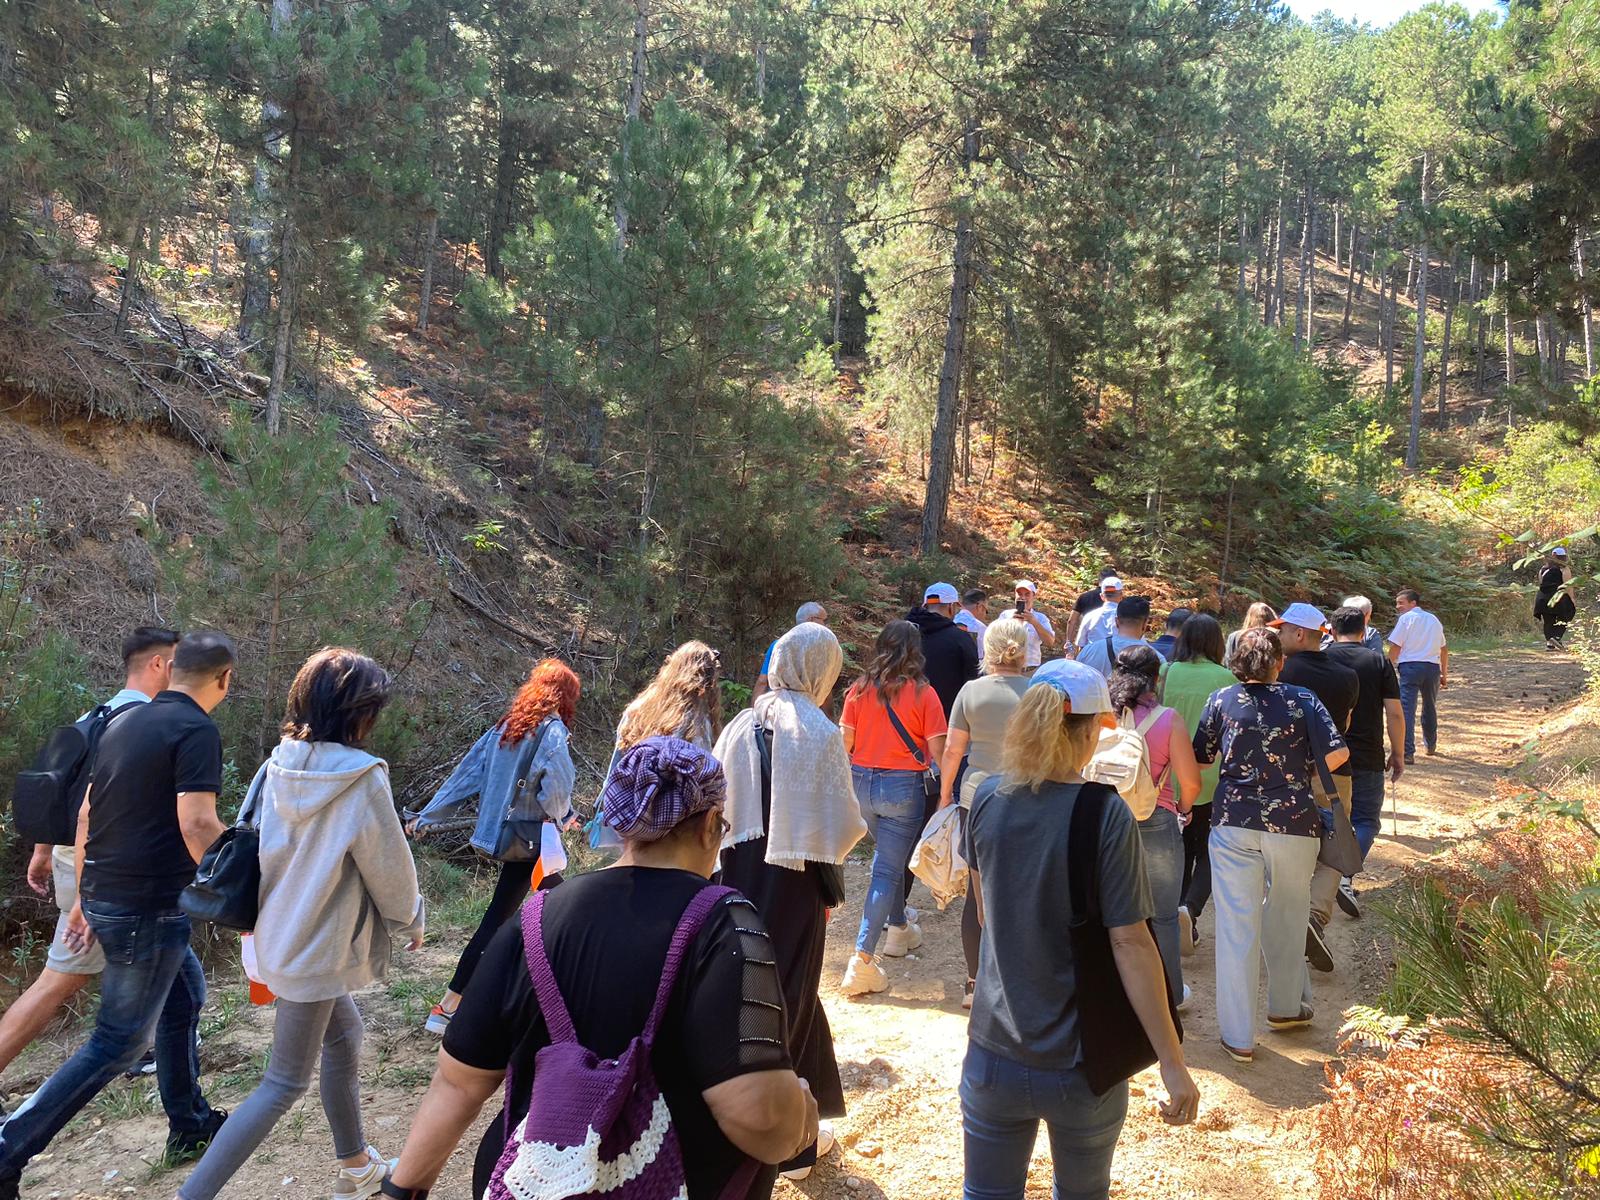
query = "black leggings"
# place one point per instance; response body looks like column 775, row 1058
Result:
column 971, row 929
column 1197, row 861
column 509, row 893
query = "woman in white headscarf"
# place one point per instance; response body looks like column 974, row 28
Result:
column 792, row 819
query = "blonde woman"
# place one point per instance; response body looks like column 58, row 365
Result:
column 1258, row 616
column 1023, row 1062
column 972, row 748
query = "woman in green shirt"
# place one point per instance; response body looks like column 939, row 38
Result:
column 1186, row 684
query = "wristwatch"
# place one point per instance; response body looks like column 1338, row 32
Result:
column 390, row 1188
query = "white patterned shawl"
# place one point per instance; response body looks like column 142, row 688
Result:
column 815, row 817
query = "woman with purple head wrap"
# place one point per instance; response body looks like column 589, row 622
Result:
column 657, row 785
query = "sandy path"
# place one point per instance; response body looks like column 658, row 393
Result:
column 901, row 1052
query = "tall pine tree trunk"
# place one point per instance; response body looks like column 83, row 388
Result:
column 425, row 292
column 941, row 458
column 1585, row 313
column 1444, row 344
column 1244, row 239
column 1389, row 338
column 1307, row 253
column 1350, row 282
column 1311, row 280
column 1511, row 345
column 1414, row 440
column 641, row 30
column 288, row 277
column 255, row 297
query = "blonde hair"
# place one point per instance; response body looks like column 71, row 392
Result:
column 683, row 694
column 1044, row 741
column 1005, row 645
column 1258, row 614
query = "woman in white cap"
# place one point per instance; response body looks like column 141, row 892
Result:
column 1554, row 604
column 1041, row 634
column 1024, row 1062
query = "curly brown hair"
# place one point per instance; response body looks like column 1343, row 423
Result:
column 1256, row 655
column 552, row 687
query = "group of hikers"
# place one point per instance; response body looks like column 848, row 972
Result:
column 656, row 1027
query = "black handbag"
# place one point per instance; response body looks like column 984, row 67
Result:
column 930, row 781
column 227, row 884
column 829, row 877
column 1113, row 1042
column 520, row 835
column 1340, row 849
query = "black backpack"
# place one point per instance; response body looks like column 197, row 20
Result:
column 48, row 796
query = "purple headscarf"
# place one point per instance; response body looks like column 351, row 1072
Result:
column 657, row 785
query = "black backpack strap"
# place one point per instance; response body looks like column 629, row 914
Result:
column 1111, row 654
column 899, row 727
column 1083, row 851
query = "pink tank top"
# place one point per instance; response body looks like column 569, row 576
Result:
column 1159, row 740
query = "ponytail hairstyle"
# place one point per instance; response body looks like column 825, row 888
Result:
column 1137, row 670
column 1005, row 645
column 896, row 661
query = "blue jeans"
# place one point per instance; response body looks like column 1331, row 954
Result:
column 152, row 987
column 891, row 805
column 1366, row 806
column 1420, row 679
column 1002, row 1103
column 1162, row 842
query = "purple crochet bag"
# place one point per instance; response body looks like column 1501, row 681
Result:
column 599, row 1127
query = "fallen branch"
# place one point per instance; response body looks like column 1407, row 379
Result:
column 499, row 623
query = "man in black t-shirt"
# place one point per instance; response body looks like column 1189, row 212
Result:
column 1307, row 665
column 1377, row 708
column 149, row 815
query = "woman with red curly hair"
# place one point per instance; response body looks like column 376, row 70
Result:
column 526, row 751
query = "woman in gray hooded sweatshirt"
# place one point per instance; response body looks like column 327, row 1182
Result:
column 337, row 886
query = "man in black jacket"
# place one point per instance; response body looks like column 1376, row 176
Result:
column 951, row 654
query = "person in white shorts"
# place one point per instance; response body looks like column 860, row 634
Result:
column 147, row 658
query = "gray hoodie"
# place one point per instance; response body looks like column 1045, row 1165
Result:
column 337, row 880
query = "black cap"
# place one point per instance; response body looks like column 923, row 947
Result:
column 1131, row 608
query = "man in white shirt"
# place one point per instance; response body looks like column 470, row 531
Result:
column 1102, row 622
column 1041, row 633
column 973, row 616
column 147, row 659
column 1422, row 660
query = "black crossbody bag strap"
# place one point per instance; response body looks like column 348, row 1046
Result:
column 899, row 727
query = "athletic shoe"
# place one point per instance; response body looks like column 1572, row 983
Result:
column 966, row 993
column 1187, row 937
column 902, row 940
column 361, row 1182
column 1184, row 1003
column 186, row 1145
column 1239, row 1056
column 1430, row 751
column 145, row 1066
column 438, row 1020
column 862, row 977
column 825, row 1141
column 1410, row 758
column 1346, row 896
column 1317, row 952
column 1299, row 1021
column 1551, row 644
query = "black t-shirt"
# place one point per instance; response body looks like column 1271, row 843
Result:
column 1087, row 602
column 606, row 935
column 136, row 854
column 1335, row 684
column 1378, row 683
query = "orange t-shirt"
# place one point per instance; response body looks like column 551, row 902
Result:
column 877, row 742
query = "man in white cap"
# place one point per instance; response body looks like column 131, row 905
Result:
column 1102, row 622
column 1307, row 665
column 1041, row 634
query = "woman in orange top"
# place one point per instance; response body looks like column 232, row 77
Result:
column 887, row 765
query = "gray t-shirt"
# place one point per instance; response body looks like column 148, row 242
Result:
column 1025, row 1006
column 981, row 710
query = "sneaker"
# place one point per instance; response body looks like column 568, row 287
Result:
column 1346, row 896
column 438, row 1020
column 863, row 976
column 145, row 1066
column 1187, row 937
column 1317, row 952
column 1430, row 751
column 1239, row 1056
column 186, row 1145
column 966, row 993
column 1299, row 1021
column 1184, row 1003
column 902, row 940
column 825, row 1143
column 361, row 1182
column 1410, row 758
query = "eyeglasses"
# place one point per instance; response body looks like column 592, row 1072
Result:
column 724, row 828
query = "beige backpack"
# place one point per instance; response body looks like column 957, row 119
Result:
column 1122, row 761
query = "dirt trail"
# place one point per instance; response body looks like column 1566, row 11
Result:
column 901, row 1052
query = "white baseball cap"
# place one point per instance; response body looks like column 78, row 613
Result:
column 1025, row 583
column 1084, row 687
column 1111, row 583
column 941, row 593
column 1305, row 616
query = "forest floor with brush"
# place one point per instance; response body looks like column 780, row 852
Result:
column 900, row 1051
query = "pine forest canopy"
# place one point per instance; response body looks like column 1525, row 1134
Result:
column 1084, row 231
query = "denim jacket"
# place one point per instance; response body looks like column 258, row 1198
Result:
column 489, row 772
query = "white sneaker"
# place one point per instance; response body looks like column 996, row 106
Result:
column 825, row 1141
column 1183, row 1004
column 1185, row 932
column 902, row 940
column 863, row 976
column 365, row 1181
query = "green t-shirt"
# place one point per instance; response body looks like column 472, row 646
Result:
column 1186, row 686
column 982, row 709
